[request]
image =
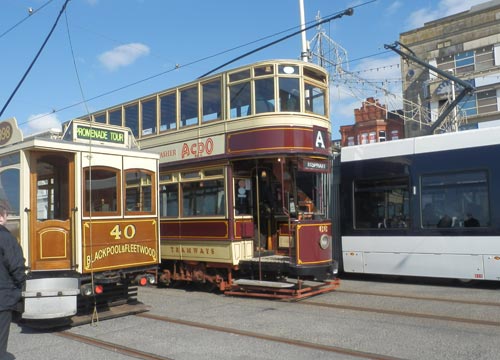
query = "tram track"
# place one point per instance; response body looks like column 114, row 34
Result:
column 277, row 339
column 404, row 313
column 113, row 347
column 413, row 297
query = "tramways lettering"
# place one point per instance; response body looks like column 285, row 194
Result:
column 198, row 149
column 192, row 250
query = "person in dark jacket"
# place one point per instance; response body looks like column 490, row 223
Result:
column 12, row 278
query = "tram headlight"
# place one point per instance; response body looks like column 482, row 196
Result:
column 324, row 241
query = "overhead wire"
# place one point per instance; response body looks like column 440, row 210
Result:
column 178, row 66
column 30, row 14
column 35, row 59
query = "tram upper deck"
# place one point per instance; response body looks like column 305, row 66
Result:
column 275, row 93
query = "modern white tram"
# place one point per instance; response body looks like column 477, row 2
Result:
column 426, row 206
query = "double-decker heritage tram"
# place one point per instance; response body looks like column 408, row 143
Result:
column 83, row 205
column 244, row 171
column 426, row 206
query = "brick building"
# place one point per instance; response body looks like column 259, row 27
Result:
column 373, row 123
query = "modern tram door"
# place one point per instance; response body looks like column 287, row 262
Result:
column 52, row 204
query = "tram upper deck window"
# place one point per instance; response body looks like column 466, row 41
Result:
column 451, row 200
column 100, row 118
column 315, row 75
column 139, row 191
column 115, row 117
column 240, row 100
column 189, row 106
column 315, row 99
column 101, row 191
column 263, row 70
column 289, row 95
column 168, row 111
column 149, row 117
column 240, row 75
column 381, row 203
column 132, row 118
column 211, row 92
column 264, row 95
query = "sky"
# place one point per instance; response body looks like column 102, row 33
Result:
column 105, row 52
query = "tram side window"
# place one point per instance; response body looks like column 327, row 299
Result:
column 101, row 190
column 211, row 92
column 455, row 200
column 264, row 95
column 168, row 111
column 9, row 190
column 240, row 100
column 189, row 106
column 149, row 117
column 115, row 117
column 139, row 191
column 169, row 200
column 315, row 99
column 203, row 198
column 132, row 118
column 381, row 203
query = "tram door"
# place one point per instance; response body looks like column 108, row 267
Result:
column 52, row 204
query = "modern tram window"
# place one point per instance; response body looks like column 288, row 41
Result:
column 149, row 117
column 132, row 118
column 289, row 94
column 381, row 203
column 189, row 106
column 168, row 112
column 139, row 191
column 264, row 95
column 211, row 92
column 315, row 99
column 455, row 200
column 240, row 100
column 101, row 191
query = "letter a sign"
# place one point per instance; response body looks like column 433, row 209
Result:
column 321, row 140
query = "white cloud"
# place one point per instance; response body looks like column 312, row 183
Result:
column 444, row 8
column 41, row 122
column 123, row 55
column 394, row 7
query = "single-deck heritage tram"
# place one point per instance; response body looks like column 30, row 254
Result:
column 244, row 172
column 83, row 205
